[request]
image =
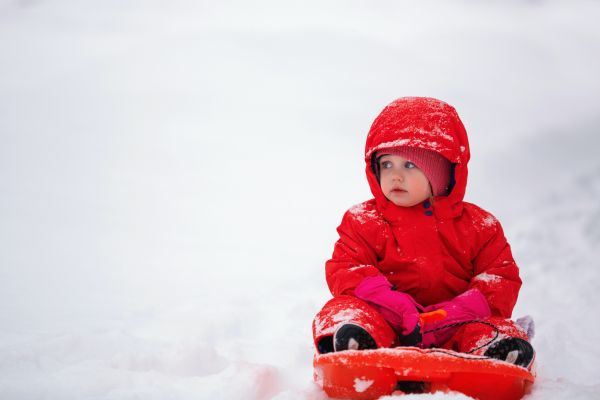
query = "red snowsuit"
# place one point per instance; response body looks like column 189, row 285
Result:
column 433, row 251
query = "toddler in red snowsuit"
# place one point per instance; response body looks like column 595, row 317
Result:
column 418, row 247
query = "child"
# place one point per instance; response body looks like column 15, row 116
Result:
column 418, row 247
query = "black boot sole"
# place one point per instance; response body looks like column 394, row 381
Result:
column 503, row 348
column 347, row 332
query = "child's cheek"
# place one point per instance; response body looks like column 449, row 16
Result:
column 385, row 186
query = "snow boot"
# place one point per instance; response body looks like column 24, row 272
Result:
column 353, row 337
column 512, row 350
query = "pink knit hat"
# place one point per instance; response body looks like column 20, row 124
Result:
column 436, row 167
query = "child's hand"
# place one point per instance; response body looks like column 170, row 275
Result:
column 470, row 305
column 399, row 309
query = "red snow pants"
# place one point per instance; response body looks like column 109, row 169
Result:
column 348, row 309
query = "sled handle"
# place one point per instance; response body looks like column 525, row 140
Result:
column 432, row 316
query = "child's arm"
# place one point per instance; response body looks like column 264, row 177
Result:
column 352, row 270
column 496, row 274
column 353, row 258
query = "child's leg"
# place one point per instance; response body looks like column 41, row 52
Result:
column 350, row 310
column 511, row 343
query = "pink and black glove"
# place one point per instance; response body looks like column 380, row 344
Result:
column 470, row 305
column 399, row 309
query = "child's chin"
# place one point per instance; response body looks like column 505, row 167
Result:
column 402, row 202
column 404, row 205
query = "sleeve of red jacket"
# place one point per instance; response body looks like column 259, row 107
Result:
column 353, row 258
column 496, row 273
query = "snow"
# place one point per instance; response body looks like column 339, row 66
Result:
column 432, row 396
column 344, row 315
column 490, row 221
column 485, row 277
column 363, row 214
column 410, row 142
column 172, row 174
column 360, row 385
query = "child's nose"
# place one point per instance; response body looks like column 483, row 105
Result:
column 398, row 175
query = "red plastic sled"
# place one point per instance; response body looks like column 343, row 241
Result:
column 369, row 374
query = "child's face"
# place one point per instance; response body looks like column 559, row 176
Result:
column 402, row 182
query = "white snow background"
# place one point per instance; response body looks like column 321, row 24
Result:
column 172, row 174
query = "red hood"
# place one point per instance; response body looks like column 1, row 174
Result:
column 429, row 124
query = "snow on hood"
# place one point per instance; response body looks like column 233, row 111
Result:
column 426, row 123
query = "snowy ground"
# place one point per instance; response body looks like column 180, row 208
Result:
column 172, row 174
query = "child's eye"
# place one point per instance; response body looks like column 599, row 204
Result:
column 409, row 165
column 386, row 164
